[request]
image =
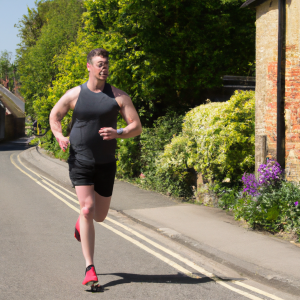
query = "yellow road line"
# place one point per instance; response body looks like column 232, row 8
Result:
column 56, row 189
column 46, row 188
column 53, row 187
column 161, row 257
column 256, row 290
column 43, row 177
column 190, row 263
column 140, row 245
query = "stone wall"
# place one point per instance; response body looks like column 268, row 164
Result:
column 266, row 57
column 266, row 85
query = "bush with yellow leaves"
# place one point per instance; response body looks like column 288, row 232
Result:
column 217, row 140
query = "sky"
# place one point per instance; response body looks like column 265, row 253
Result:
column 11, row 11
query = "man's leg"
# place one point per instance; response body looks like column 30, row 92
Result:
column 86, row 197
column 101, row 207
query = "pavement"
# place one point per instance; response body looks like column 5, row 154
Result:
column 209, row 231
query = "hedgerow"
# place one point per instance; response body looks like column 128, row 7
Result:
column 217, row 140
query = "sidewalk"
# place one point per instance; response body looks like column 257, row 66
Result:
column 209, row 231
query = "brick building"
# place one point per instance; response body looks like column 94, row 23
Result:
column 278, row 83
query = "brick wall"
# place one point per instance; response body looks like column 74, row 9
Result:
column 266, row 89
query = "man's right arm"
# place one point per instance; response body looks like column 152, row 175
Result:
column 64, row 104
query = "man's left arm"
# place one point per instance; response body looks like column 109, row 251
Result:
column 130, row 115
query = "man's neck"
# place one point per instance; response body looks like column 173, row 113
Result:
column 95, row 85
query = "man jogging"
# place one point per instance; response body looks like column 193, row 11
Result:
column 92, row 163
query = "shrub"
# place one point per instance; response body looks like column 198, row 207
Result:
column 49, row 143
column 276, row 208
column 224, row 137
column 269, row 202
column 128, row 155
column 153, row 140
column 172, row 175
column 268, row 174
column 217, row 140
column 154, row 159
column 227, row 193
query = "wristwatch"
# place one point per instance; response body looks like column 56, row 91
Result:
column 120, row 131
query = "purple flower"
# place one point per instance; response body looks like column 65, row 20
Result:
column 269, row 173
column 250, row 185
column 296, row 203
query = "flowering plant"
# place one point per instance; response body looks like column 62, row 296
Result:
column 269, row 173
column 251, row 185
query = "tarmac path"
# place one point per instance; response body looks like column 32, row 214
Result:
column 40, row 258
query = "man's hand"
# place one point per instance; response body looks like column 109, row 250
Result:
column 63, row 142
column 108, row 133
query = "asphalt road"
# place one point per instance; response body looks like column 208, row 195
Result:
column 40, row 258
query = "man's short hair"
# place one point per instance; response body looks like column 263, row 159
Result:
column 96, row 52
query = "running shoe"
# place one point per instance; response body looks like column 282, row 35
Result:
column 77, row 230
column 91, row 278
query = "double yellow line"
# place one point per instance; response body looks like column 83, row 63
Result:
column 46, row 183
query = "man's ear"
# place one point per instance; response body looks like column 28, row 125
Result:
column 88, row 66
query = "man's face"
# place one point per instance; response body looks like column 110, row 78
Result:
column 99, row 67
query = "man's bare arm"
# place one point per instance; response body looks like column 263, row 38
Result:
column 129, row 114
column 64, row 104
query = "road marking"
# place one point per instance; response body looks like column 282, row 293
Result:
column 190, row 263
column 147, row 249
column 45, row 181
column 43, row 177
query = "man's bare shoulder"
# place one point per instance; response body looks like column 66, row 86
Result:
column 73, row 93
column 119, row 93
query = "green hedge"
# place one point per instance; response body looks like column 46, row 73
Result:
column 216, row 140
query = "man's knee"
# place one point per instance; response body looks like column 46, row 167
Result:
column 100, row 218
column 88, row 212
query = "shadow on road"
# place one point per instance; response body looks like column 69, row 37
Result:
column 13, row 146
column 168, row 279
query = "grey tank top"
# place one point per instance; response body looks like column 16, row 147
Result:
column 92, row 112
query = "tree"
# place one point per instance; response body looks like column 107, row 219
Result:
column 164, row 53
column 7, row 69
column 45, row 33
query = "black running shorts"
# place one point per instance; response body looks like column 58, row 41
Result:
column 101, row 176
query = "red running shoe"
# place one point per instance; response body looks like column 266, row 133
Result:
column 91, row 278
column 77, row 230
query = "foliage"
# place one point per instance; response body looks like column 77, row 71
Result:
column 268, row 174
column 251, row 185
column 128, row 154
column 274, row 209
column 172, row 171
column 49, row 143
column 71, row 72
column 7, row 68
column 45, row 32
column 140, row 155
column 217, row 139
column 267, row 203
column 153, row 142
column 165, row 52
column 161, row 52
column 227, row 194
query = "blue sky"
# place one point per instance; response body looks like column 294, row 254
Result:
column 11, row 11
